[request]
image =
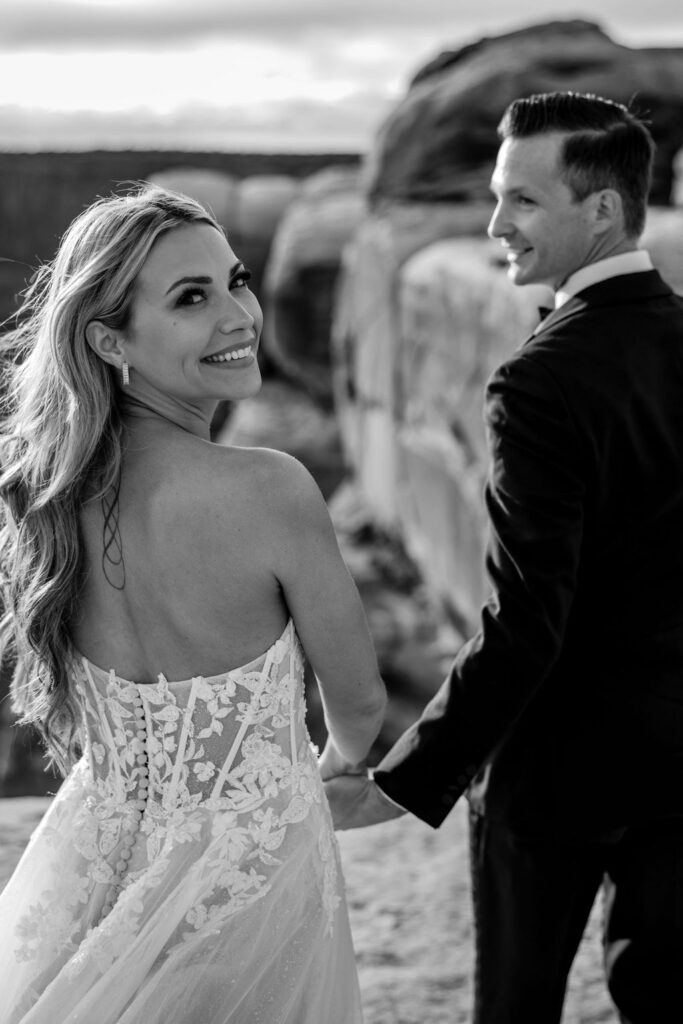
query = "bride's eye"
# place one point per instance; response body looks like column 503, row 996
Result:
column 240, row 279
column 191, row 296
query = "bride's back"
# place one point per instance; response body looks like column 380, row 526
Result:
column 196, row 592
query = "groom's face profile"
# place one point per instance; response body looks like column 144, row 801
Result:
column 546, row 233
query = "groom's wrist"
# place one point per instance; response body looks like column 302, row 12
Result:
column 385, row 795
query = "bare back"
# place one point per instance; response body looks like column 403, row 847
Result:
column 200, row 594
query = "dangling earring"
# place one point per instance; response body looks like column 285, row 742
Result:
column 125, row 374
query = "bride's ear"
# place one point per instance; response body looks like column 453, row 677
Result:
column 105, row 342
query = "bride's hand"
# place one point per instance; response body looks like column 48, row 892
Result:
column 357, row 801
column 331, row 763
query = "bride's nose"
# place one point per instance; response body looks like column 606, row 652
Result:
column 235, row 317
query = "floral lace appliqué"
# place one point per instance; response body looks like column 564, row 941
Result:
column 222, row 768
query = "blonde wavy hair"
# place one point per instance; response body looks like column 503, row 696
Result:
column 61, row 441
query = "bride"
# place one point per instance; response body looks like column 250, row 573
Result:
column 163, row 593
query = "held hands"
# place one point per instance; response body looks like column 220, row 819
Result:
column 331, row 763
column 355, row 799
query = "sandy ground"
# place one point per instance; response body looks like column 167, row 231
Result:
column 409, row 902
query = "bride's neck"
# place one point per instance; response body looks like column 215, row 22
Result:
column 143, row 407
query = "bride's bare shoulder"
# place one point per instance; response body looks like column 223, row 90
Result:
column 253, row 481
column 249, row 504
column 262, row 468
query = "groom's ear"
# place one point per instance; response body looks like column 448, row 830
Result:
column 105, row 342
column 608, row 210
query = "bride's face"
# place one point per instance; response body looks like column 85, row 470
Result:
column 195, row 325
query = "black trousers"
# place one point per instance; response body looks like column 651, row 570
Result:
column 532, row 898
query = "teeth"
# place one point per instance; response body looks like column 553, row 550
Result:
column 226, row 357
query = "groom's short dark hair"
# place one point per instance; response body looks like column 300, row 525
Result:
column 606, row 146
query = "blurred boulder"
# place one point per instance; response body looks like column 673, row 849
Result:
column 459, row 317
column 23, row 766
column 415, row 340
column 365, row 332
column 440, row 142
column 677, row 195
column 215, row 190
column 261, row 203
column 263, row 198
column 663, row 238
column 301, row 277
column 414, row 646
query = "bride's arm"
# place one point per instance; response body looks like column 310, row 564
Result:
column 329, row 617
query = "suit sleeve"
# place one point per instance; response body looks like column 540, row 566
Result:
column 534, row 498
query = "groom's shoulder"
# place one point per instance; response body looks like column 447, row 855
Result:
column 558, row 362
column 598, row 340
column 581, row 340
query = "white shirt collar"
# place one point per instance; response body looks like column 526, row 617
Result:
column 625, row 263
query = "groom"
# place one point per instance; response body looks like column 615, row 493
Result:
column 563, row 717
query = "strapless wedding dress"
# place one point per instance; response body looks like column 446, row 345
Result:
column 186, row 871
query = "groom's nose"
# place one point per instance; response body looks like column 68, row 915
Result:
column 500, row 225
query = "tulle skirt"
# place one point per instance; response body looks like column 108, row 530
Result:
column 173, row 949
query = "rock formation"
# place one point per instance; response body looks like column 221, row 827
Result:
column 415, row 341
column 301, row 276
column 663, row 238
column 215, row 190
column 440, row 142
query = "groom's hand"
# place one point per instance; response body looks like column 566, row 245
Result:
column 357, row 801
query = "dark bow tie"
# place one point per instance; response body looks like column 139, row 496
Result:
column 544, row 311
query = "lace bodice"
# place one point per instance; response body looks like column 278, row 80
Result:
column 205, row 741
column 187, row 868
column 218, row 769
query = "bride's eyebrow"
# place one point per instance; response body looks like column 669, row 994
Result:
column 189, row 280
column 203, row 279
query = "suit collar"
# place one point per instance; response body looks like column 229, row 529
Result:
column 634, row 261
column 623, row 290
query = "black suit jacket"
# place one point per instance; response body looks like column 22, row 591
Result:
column 564, row 714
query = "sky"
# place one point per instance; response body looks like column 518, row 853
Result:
column 249, row 75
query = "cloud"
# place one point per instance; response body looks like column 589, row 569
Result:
column 263, row 74
column 113, row 24
column 36, row 24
